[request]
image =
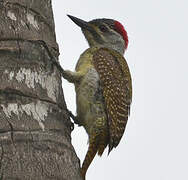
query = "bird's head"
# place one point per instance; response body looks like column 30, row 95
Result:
column 107, row 33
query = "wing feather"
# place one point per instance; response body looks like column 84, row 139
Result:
column 116, row 85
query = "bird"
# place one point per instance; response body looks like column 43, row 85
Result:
column 103, row 85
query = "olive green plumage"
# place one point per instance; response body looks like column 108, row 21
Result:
column 103, row 91
column 103, row 97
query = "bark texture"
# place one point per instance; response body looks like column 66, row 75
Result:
column 35, row 128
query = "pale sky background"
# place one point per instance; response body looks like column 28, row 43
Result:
column 155, row 144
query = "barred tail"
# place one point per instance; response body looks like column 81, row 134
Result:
column 92, row 150
column 97, row 143
column 101, row 148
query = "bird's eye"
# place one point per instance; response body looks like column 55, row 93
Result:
column 103, row 28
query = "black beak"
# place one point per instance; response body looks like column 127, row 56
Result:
column 81, row 23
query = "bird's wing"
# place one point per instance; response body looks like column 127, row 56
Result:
column 116, row 85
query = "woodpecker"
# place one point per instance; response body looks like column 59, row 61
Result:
column 103, row 85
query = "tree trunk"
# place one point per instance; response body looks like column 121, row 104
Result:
column 35, row 128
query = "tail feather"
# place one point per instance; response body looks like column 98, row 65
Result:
column 101, row 149
column 92, row 150
column 98, row 140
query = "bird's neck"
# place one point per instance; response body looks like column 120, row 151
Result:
column 117, row 47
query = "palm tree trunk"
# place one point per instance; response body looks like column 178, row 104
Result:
column 35, row 128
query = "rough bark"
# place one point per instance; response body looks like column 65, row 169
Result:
column 35, row 128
